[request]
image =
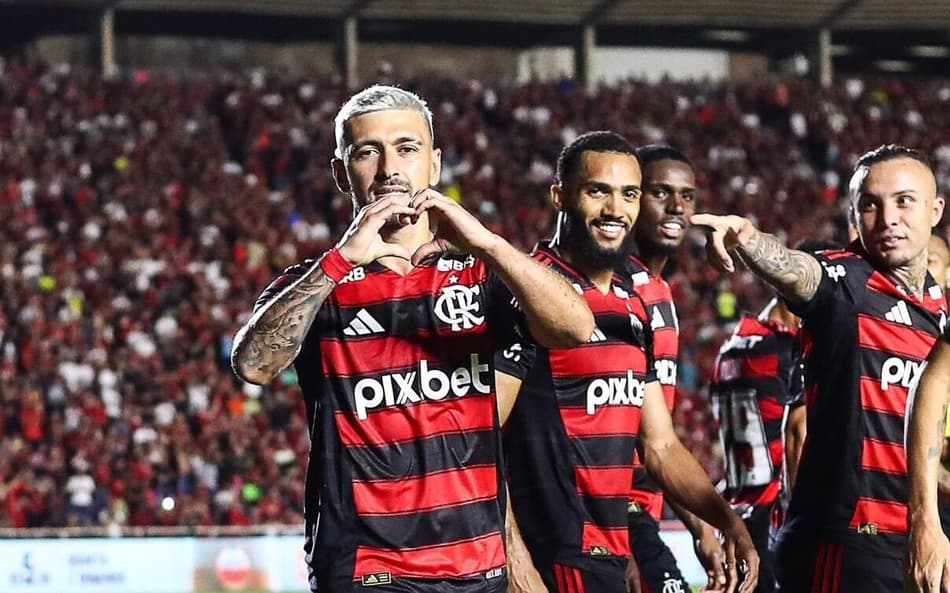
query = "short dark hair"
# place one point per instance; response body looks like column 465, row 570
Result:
column 888, row 152
column 813, row 246
column 652, row 153
column 568, row 162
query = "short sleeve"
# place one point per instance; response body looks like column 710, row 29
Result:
column 506, row 319
column 517, row 359
column 842, row 281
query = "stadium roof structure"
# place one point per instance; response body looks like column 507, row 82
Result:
column 862, row 29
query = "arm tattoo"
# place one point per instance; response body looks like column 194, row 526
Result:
column 934, row 452
column 274, row 335
column 794, row 274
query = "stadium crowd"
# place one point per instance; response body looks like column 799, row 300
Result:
column 140, row 216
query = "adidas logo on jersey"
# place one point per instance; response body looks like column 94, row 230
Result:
column 363, row 325
column 936, row 292
column 899, row 314
column 411, row 387
column 657, row 321
column 597, row 336
column 615, row 391
column 377, row 578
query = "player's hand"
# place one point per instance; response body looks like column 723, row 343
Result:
column 928, row 562
column 742, row 561
column 722, row 234
column 362, row 243
column 712, row 556
column 523, row 577
column 457, row 230
column 632, row 575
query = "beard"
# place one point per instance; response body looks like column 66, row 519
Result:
column 581, row 242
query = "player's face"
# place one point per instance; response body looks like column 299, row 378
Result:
column 600, row 206
column 938, row 260
column 669, row 199
column 386, row 153
column 897, row 206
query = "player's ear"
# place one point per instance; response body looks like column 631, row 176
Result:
column 939, row 203
column 339, row 175
column 557, row 197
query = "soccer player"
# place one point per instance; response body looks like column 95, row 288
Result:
column 569, row 441
column 756, row 379
column 669, row 199
column 870, row 314
column 392, row 336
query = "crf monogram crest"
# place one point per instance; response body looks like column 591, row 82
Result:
column 459, row 307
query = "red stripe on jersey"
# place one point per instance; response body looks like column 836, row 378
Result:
column 665, row 343
column 394, row 425
column 759, row 367
column 896, row 340
column 380, row 285
column 614, row 539
column 606, row 421
column 446, row 561
column 431, row 491
column 889, row 517
column 359, row 357
column 883, row 457
column 594, row 360
column 604, row 481
column 771, row 410
column 893, row 400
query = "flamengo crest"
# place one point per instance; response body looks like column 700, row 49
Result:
column 459, row 307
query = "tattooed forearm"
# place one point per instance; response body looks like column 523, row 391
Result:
column 794, row 274
column 273, row 336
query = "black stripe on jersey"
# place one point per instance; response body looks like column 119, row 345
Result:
column 601, row 508
column 885, row 486
column 642, row 480
column 430, row 528
column 424, row 456
column 884, row 427
column 607, row 451
column 874, row 361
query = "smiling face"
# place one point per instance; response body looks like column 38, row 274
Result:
column 669, row 199
column 386, row 153
column 896, row 207
column 599, row 206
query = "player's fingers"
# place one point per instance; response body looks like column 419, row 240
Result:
column 748, row 568
column 711, row 221
column 717, row 253
column 943, row 578
column 732, row 577
column 435, row 246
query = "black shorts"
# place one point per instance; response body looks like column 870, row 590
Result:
column 825, row 567
column 759, row 524
column 608, row 578
column 658, row 570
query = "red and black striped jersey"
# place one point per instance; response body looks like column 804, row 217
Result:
column 404, row 488
column 757, row 376
column 661, row 312
column 570, row 439
column 865, row 339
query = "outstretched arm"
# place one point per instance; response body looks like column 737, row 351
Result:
column 795, row 274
